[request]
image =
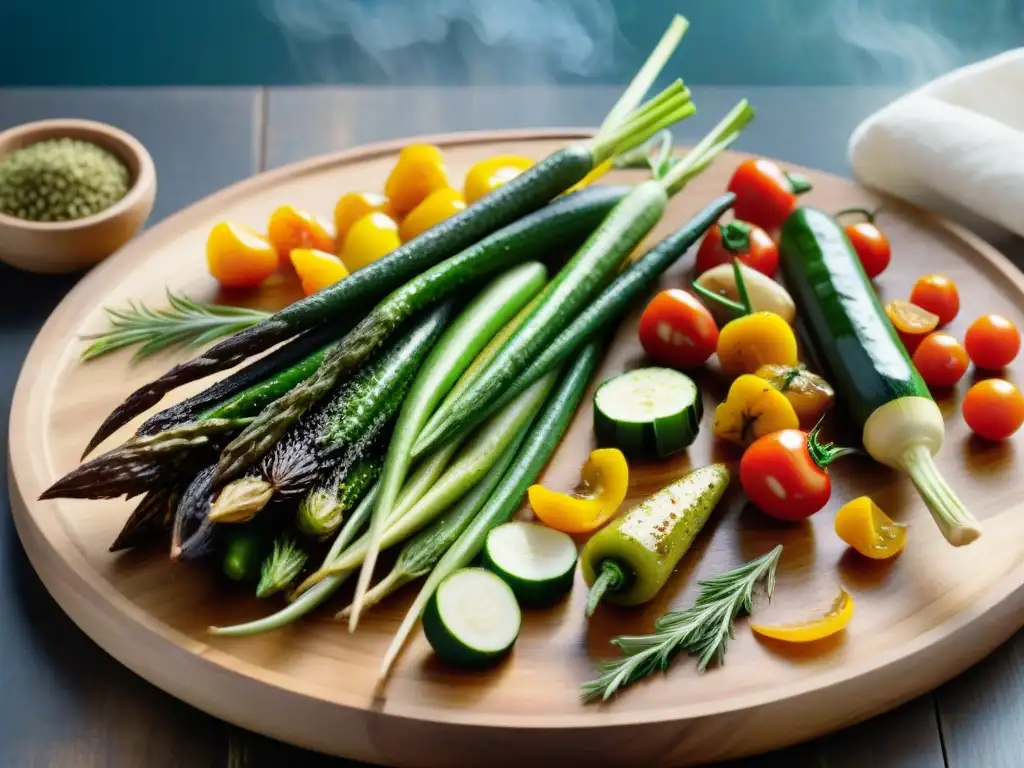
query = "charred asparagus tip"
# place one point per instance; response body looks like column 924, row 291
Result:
column 281, row 568
column 241, row 500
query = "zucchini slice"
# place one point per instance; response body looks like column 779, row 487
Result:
column 536, row 561
column 472, row 619
column 648, row 413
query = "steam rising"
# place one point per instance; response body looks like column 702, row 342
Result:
column 499, row 40
column 908, row 42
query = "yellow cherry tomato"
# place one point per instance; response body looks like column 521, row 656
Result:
column 239, row 257
column 601, row 490
column 420, row 170
column 316, row 269
column 352, row 206
column 487, row 175
column 437, row 207
column 835, row 620
column 753, row 408
column 290, row 227
column 371, row 237
column 760, row 338
column 866, row 528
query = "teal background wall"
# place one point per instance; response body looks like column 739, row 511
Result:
column 228, row 42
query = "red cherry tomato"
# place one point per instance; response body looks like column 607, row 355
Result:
column 938, row 294
column 940, row 360
column 992, row 342
column 765, row 194
column 677, row 330
column 784, row 473
column 871, row 245
column 738, row 239
column 993, row 409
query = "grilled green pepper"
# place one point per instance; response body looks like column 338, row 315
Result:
column 629, row 561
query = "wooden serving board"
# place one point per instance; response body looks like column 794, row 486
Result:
column 920, row 618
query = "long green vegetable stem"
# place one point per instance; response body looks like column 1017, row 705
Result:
column 609, row 305
column 698, row 158
column 648, row 73
column 481, row 319
column 423, row 550
column 538, row 448
column 479, row 364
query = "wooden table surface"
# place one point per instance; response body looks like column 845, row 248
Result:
column 67, row 703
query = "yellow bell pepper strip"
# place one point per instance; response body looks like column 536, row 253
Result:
column 352, row 206
column 604, row 480
column 835, row 620
column 239, row 257
column 753, row 339
column 290, row 227
column 434, row 209
column 808, row 393
column 753, row 408
column 316, row 269
column 371, row 237
column 868, row 530
column 487, row 175
column 420, row 170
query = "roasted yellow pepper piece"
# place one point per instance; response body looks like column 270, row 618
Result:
column 239, row 257
column 290, row 227
column 835, row 620
column 601, row 490
column 866, row 528
column 487, row 175
column 437, row 207
column 753, row 408
column 352, row 206
column 808, row 393
column 371, row 237
column 317, row 269
column 420, row 170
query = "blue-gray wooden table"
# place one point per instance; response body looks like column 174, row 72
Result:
column 64, row 702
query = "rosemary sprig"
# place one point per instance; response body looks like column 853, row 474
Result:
column 183, row 321
column 702, row 630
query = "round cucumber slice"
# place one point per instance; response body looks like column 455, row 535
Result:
column 536, row 561
column 472, row 619
column 648, row 413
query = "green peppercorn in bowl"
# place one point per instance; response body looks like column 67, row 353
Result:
column 72, row 192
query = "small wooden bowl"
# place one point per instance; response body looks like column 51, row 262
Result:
column 68, row 246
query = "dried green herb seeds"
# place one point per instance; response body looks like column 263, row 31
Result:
column 60, row 180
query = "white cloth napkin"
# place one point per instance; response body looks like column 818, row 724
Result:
column 954, row 146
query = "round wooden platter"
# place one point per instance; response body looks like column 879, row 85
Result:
column 920, row 618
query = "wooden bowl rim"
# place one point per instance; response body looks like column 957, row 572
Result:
column 128, row 149
column 220, row 662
